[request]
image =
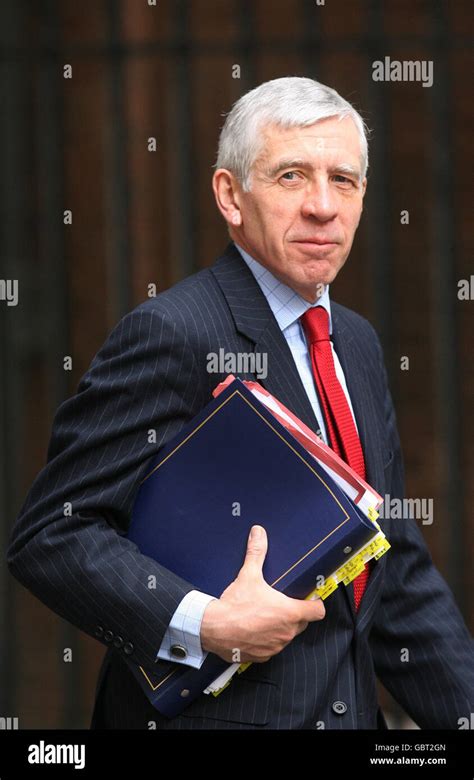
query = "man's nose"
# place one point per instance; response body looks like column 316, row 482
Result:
column 319, row 202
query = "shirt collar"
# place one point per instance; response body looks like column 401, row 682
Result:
column 286, row 304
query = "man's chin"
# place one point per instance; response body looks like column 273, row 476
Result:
column 310, row 288
column 316, row 255
column 323, row 273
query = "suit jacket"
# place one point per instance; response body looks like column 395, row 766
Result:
column 69, row 547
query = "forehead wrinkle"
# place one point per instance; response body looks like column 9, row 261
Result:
column 324, row 144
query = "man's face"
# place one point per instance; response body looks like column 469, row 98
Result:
column 300, row 217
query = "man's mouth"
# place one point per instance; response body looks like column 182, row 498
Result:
column 317, row 241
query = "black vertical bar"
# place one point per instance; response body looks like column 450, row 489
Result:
column 119, row 257
column 379, row 206
column 379, row 201
column 15, row 253
column 444, row 289
column 14, row 247
column 49, row 112
column 182, row 192
column 247, row 44
column 311, row 39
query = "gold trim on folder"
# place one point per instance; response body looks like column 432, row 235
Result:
column 152, row 686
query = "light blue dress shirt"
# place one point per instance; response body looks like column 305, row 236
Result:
column 288, row 307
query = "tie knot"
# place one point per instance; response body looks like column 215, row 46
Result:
column 316, row 324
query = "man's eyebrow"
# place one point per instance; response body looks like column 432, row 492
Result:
column 293, row 162
column 344, row 169
column 347, row 170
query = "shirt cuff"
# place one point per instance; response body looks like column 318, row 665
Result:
column 182, row 640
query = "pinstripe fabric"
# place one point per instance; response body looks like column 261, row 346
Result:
column 150, row 375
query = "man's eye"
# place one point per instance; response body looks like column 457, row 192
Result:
column 289, row 173
column 343, row 179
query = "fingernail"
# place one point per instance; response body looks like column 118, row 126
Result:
column 255, row 532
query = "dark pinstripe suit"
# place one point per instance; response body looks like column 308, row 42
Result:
column 151, row 374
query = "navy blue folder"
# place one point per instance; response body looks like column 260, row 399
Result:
column 232, row 466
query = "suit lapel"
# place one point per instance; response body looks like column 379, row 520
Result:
column 255, row 321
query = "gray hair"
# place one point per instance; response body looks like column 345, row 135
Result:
column 292, row 101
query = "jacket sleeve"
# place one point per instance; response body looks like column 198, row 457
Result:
column 421, row 647
column 68, row 545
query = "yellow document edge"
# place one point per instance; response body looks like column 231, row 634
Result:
column 377, row 547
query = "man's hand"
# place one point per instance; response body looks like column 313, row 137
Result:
column 251, row 616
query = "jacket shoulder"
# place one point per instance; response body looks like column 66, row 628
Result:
column 359, row 326
column 186, row 296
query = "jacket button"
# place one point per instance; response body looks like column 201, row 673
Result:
column 99, row 632
column 178, row 651
column 128, row 648
column 108, row 636
column 118, row 642
column 339, row 707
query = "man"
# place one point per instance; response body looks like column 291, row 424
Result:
column 290, row 182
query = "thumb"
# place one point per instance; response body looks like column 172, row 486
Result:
column 312, row 609
column 257, row 547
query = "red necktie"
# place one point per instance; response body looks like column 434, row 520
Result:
column 342, row 433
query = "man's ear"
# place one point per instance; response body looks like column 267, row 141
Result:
column 226, row 193
column 364, row 185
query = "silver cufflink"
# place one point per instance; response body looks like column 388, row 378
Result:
column 178, row 651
